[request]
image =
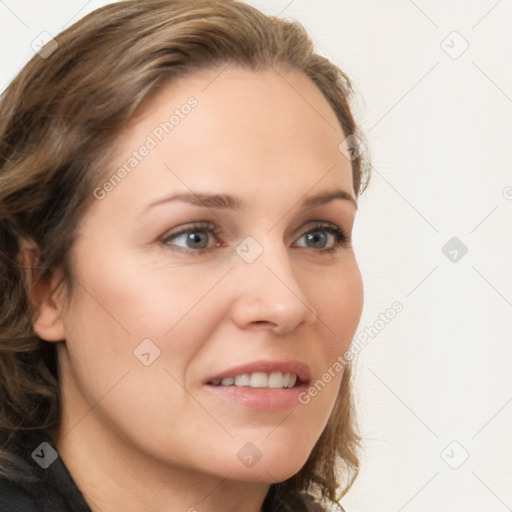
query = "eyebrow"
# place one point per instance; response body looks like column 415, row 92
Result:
column 226, row 201
column 324, row 198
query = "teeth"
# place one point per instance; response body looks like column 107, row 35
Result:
column 243, row 380
column 259, row 380
column 276, row 380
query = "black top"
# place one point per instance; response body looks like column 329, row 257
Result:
column 46, row 485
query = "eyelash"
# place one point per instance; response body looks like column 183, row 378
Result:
column 340, row 237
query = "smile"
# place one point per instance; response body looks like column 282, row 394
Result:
column 275, row 380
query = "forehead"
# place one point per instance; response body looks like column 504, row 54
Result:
column 233, row 130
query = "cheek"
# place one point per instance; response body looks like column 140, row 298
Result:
column 119, row 304
column 115, row 308
column 143, row 298
column 338, row 302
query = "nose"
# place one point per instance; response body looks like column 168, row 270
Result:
column 268, row 295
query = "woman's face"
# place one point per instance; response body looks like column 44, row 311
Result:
column 217, row 253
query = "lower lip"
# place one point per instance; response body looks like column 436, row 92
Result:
column 260, row 399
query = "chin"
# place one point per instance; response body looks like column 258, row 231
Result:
column 271, row 471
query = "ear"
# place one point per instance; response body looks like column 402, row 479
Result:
column 48, row 324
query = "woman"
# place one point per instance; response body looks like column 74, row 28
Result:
column 178, row 186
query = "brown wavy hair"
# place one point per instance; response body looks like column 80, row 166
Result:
column 59, row 119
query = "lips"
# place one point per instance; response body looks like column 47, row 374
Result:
column 260, row 398
column 264, row 366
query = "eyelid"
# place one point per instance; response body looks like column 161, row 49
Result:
column 190, row 226
column 322, row 224
column 317, row 223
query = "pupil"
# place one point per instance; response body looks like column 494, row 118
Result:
column 317, row 239
column 198, row 239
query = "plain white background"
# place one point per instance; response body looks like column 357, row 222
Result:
column 434, row 84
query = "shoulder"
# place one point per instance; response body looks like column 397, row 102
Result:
column 14, row 499
column 40, row 484
column 18, row 496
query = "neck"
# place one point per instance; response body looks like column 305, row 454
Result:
column 113, row 475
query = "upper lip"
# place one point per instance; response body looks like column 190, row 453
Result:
column 266, row 366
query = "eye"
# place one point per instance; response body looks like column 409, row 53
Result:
column 195, row 237
column 323, row 237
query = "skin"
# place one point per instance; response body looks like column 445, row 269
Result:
column 152, row 438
